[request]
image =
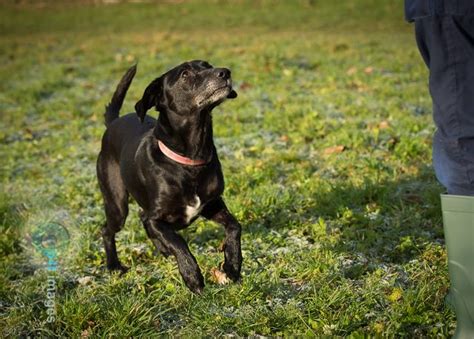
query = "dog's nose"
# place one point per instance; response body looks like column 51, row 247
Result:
column 223, row 73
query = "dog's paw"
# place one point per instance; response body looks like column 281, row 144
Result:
column 231, row 272
column 196, row 287
column 219, row 277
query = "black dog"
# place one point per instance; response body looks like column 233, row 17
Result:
column 169, row 166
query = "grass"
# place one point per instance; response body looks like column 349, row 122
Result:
column 326, row 155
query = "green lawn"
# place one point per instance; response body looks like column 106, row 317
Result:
column 326, row 154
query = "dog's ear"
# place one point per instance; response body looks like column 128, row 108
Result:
column 232, row 95
column 150, row 98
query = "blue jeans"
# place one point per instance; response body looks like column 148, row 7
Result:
column 445, row 37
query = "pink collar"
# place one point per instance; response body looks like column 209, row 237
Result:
column 179, row 158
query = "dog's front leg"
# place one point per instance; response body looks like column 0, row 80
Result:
column 217, row 211
column 174, row 243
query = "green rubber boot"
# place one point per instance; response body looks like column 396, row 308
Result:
column 458, row 220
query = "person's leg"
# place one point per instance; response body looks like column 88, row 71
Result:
column 458, row 221
column 447, row 46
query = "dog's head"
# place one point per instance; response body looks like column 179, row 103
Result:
column 189, row 88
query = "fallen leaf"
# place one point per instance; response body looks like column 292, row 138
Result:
column 384, row 124
column 245, row 85
column 296, row 282
column 219, row 276
column 334, row 149
column 351, row 71
column 357, row 85
column 85, row 280
column 368, row 70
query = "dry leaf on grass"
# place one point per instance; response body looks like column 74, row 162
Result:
column 85, row 280
column 368, row 70
column 245, row 85
column 85, row 333
column 334, row 149
column 219, row 276
column 351, row 71
column 384, row 124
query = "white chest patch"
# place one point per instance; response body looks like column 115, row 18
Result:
column 194, row 209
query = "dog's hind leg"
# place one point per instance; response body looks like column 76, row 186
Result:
column 160, row 247
column 116, row 207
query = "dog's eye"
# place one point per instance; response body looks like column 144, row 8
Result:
column 184, row 74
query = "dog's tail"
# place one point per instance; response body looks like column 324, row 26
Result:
column 112, row 110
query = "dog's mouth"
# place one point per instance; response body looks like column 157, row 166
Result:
column 218, row 90
column 220, row 93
